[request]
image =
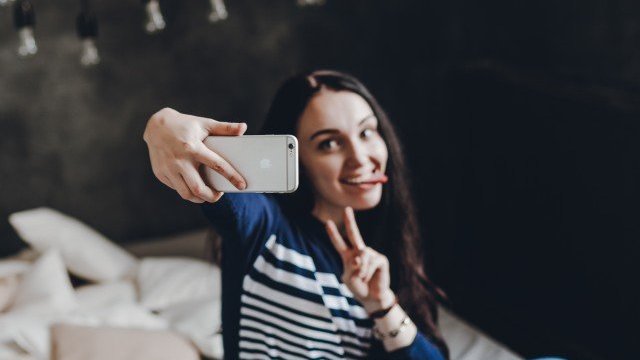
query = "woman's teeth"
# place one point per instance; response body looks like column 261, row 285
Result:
column 355, row 181
column 376, row 177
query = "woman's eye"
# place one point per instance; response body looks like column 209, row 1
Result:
column 327, row 144
column 367, row 133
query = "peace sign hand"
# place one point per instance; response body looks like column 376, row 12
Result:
column 366, row 271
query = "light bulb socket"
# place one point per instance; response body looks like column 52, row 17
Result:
column 87, row 25
column 23, row 14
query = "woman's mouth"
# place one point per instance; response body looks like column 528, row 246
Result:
column 366, row 180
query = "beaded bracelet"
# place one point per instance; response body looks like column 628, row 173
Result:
column 393, row 333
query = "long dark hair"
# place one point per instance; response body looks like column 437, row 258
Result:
column 391, row 227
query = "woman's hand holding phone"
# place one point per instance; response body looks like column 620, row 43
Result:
column 176, row 150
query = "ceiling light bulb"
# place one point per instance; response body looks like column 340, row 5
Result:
column 310, row 2
column 27, row 43
column 6, row 2
column 89, row 55
column 24, row 19
column 218, row 11
column 155, row 20
column 87, row 28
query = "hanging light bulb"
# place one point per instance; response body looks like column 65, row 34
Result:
column 24, row 19
column 218, row 11
column 6, row 2
column 310, row 2
column 155, row 20
column 87, row 28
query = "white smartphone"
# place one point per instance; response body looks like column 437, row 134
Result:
column 268, row 163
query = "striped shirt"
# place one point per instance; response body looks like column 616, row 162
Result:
column 282, row 297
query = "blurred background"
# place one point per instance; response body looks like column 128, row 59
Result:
column 519, row 120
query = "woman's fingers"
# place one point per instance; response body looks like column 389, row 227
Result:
column 157, row 172
column 165, row 180
column 180, row 185
column 336, row 239
column 220, row 128
column 214, row 161
column 353, row 233
column 377, row 264
column 365, row 263
column 175, row 142
column 197, row 186
column 225, row 128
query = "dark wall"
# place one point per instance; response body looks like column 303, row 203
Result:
column 519, row 121
column 71, row 137
column 544, row 125
column 547, row 202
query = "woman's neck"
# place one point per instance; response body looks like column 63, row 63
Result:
column 325, row 213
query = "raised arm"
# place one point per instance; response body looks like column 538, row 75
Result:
column 244, row 220
column 176, row 151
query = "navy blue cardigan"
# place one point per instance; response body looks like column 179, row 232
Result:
column 281, row 291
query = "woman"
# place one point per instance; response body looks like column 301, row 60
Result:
column 300, row 278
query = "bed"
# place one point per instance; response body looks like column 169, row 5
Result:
column 152, row 299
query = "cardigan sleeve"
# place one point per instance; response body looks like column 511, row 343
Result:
column 244, row 220
column 420, row 348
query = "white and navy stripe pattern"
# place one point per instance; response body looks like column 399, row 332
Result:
column 281, row 295
column 289, row 310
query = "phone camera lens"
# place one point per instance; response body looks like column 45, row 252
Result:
column 291, row 146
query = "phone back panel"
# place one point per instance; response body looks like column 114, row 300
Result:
column 265, row 161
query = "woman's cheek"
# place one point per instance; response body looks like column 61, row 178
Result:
column 317, row 170
column 381, row 151
column 328, row 174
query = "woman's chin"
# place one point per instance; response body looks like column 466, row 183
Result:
column 366, row 200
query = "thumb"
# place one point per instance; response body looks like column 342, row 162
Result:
column 226, row 128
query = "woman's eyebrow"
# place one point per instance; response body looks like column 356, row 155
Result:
column 324, row 131
column 370, row 116
column 333, row 131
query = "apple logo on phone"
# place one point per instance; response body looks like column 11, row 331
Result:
column 265, row 164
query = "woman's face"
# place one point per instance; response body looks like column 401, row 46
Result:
column 342, row 151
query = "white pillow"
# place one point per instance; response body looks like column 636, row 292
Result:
column 12, row 351
column 119, row 315
column 31, row 332
column 103, row 295
column 28, row 331
column 45, row 288
column 8, row 288
column 199, row 321
column 12, row 267
column 468, row 343
column 105, row 343
column 86, row 253
column 9, row 272
column 166, row 281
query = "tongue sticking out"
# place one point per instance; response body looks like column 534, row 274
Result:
column 380, row 179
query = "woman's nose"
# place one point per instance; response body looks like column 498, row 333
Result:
column 357, row 155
